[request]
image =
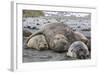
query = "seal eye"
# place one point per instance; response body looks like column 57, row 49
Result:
column 58, row 38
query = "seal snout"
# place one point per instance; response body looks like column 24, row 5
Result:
column 43, row 46
column 60, row 43
column 82, row 57
column 78, row 50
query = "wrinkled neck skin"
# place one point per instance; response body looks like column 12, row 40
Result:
column 59, row 46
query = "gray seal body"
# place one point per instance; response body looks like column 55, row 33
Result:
column 78, row 50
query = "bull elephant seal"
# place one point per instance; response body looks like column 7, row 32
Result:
column 38, row 42
column 53, row 31
column 78, row 50
column 60, row 44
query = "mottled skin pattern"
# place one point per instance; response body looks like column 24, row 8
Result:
column 78, row 50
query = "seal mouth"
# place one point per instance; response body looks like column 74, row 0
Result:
column 82, row 57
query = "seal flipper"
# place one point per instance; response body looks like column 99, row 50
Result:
column 36, row 33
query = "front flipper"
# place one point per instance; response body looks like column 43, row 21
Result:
column 36, row 33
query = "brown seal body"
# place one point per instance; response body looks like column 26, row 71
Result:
column 38, row 42
column 80, row 37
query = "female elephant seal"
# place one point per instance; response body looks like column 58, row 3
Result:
column 38, row 42
column 78, row 50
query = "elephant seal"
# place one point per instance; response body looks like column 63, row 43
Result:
column 53, row 31
column 80, row 37
column 38, row 42
column 78, row 50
